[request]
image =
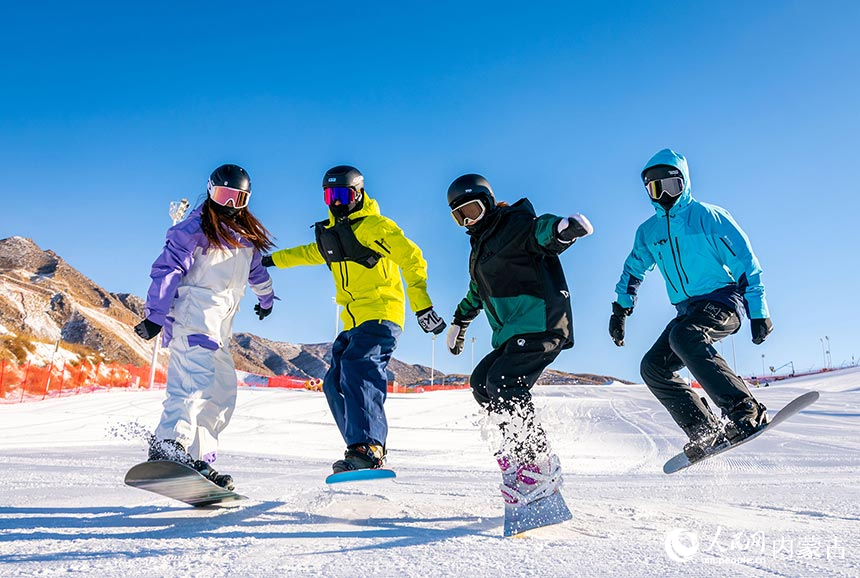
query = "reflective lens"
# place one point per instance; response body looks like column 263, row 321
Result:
column 225, row 196
column 469, row 213
column 344, row 195
column 672, row 186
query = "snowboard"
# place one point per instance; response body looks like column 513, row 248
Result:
column 520, row 518
column 360, row 476
column 180, row 482
column 681, row 461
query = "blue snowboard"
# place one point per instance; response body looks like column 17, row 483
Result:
column 179, row 482
column 360, row 476
column 681, row 461
column 544, row 512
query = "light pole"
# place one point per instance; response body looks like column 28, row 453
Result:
column 823, row 353
column 336, row 318
column 829, row 358
column 762, row 365
column 473, row 353
column 177, row 212
column 432, row 359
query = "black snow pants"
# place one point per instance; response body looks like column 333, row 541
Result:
column 688, row 341
column 502, row 384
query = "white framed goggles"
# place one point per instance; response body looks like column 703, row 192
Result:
column 226, row 196
column 469, row 212
column 673, row 186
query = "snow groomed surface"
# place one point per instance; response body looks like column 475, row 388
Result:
column 786, row 505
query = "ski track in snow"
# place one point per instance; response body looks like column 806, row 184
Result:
column 65, row 510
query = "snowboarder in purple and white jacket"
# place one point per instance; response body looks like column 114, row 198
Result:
column 197, row 284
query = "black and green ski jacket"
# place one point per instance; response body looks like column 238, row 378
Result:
column 516, row 275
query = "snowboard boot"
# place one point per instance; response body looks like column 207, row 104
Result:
column 360, row 457
column 169, row 450
column 532, row 481
column 709, row 440
column 207, row 471
column 745, row 419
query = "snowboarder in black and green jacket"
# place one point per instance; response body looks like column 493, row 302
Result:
column 517, row 277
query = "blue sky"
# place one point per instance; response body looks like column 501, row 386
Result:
column 110, row 111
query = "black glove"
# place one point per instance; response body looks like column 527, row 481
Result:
column 262, row 312
column 457, row 335
column 267, row 261
column 147, row 329
column 577, row 226
column 616, row 323
column 430, row 322
column 760, row 329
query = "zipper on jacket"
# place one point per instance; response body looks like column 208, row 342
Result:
column 727, row 246
column 680, row 262
column 344, row 276
column 675, row 256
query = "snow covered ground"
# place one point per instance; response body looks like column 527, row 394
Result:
column 787, row 504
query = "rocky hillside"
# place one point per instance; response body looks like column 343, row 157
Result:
column 44, row 300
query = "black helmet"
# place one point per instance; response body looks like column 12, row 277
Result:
column 225, row 181
column 344, row 176
column 468, row 187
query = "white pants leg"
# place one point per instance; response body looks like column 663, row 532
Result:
column 201, row 397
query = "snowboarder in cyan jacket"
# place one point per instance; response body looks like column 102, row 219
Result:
column 713, row 278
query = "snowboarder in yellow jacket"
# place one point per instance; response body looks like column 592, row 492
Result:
column 366, row 253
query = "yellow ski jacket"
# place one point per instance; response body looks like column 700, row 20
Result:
column 375, row 293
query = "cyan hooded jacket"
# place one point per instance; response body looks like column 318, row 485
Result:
column 701, row 251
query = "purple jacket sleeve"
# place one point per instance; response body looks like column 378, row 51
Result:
column 167, row 271
column 261, row 282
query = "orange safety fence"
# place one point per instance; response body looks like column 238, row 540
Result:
column 27, row 382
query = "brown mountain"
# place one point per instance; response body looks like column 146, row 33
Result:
column 43, row 299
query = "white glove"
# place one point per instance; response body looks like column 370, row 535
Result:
column 574, row 227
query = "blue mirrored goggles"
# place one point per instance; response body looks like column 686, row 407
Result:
column 343, row 195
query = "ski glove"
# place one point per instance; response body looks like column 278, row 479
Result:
column 267, row 261
column 573, row 228
column 430, row 322
column 147, row 329
column 262, row 312
column 457, row 335
column 616, row 323
column 760, row 329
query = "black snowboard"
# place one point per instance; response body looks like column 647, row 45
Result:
column 177, row 481
column 681, row 461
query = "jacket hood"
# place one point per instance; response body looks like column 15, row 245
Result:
column 677, row 160
column 369, row 207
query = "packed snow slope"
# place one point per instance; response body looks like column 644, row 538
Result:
column 787, row 504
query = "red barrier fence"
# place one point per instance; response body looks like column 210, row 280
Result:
column 27, row 382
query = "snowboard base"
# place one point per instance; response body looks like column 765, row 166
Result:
column 544, row 512
column 179, row 482
column 360, row 476
column 681, row 461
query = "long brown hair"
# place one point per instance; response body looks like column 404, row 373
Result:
column 222, row 229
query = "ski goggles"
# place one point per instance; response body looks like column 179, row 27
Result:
column 225, row 196
column 469, row 212
column 673, row 186
column 344, row 195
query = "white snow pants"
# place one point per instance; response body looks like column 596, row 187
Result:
column 201, row 397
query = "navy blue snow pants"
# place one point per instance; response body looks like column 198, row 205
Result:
column 356, row 384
